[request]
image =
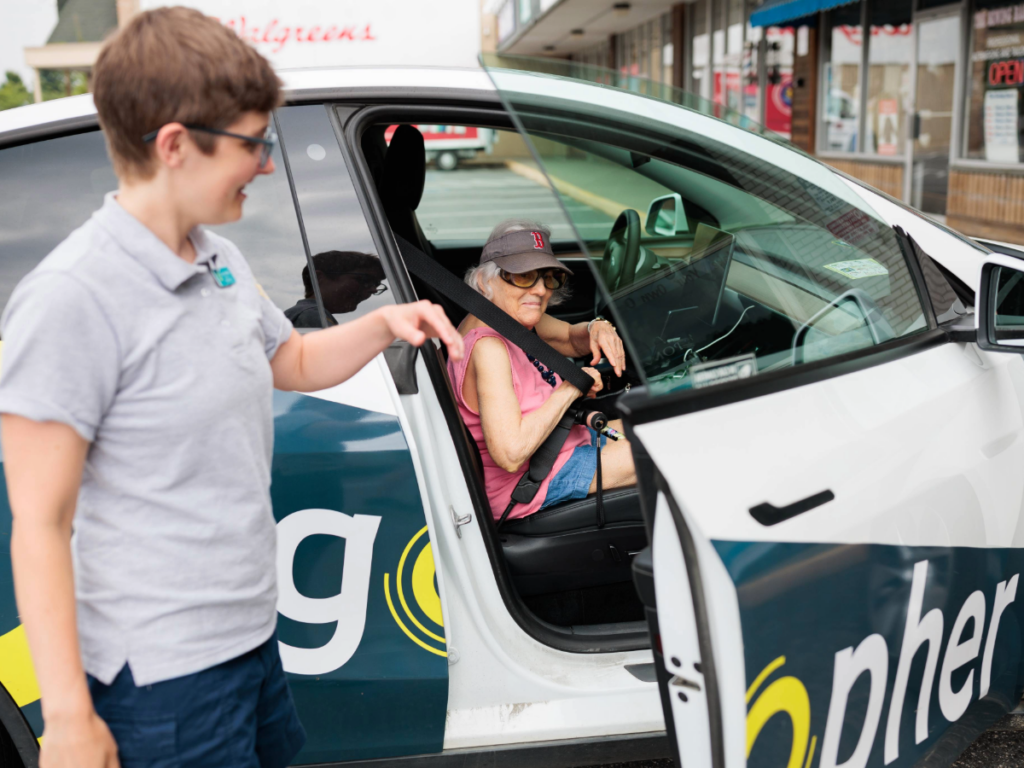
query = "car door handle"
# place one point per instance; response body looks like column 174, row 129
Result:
column 769, row 514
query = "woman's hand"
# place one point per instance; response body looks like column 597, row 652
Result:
column 420, row 321
column 598, row 382
column 597, row 386
column 605, row 342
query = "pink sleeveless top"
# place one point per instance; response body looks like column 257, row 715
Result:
column 531, row 392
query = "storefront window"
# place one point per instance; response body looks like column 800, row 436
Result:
column 778, row 108
column 667, row 50
column 996, row 78
column 733, row 63
column 749, row 77
column 718, row 11
column 699, row 78
column 842, row 79
column 890, row 53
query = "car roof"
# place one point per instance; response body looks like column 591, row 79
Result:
column 310, row 84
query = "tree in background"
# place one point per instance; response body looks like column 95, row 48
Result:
column 55, row 83
column 13, row 92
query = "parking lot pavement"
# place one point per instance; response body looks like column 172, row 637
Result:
column 1000, row 747
column 466, row 203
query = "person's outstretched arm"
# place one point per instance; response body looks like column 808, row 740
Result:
column 43, row 463
column 325, row 358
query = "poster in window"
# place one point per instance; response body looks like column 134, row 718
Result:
column 1001, row 126
column 888, row 126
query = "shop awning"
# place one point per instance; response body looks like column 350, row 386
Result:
column 775, row 12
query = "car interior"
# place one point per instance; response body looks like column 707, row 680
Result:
column 711, row 262
column 569, row 572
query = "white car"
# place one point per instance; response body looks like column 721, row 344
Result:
column 820, row 565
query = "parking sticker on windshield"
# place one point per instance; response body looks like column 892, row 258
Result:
column 719, row 371
column 858, row 268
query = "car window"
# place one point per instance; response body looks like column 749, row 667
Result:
column 753, row 257
column 49, row 188
column 477, row 177
column 349, row 273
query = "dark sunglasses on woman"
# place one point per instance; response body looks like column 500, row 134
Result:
column 553, row 278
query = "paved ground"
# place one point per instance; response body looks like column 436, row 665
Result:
column 466, row 203
column 1000, row 747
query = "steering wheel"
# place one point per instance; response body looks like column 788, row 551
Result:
column 622, row 251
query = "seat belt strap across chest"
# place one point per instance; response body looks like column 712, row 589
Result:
column 439, row 278
column 543, row 459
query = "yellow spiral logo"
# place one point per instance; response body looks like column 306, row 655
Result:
column 788, row 695
column 424, row 595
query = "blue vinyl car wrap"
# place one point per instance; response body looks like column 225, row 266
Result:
column 884, row 620
column 332, row 463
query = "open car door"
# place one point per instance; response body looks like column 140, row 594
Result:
column 830, row 472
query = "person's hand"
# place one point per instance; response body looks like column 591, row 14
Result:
column 598, row 382
column 78, row 741
column 605, row 342
column 420, row 321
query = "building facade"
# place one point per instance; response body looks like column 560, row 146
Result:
column 920, row 98
column 313, row 33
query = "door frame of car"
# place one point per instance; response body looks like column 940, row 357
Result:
column 351, row 119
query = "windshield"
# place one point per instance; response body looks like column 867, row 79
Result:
column 729, row 252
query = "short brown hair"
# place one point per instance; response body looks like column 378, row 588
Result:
column 175, row 65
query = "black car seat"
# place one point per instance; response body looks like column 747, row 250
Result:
column 400, row 186
column 561, row 548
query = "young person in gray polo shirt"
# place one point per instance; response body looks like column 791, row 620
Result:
column 138, row 368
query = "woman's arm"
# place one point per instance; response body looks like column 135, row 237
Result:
column 511, row 437
column 43, row 466
column 325, row 358
column 600, row 340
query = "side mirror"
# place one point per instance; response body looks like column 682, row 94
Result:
column 1001, row 305
column 666, row 216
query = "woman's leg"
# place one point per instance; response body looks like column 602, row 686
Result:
column 616, row 463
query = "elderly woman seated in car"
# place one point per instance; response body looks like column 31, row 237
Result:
column 511, row 402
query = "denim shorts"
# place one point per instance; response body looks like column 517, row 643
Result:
column 238, row 714
column 574, row 478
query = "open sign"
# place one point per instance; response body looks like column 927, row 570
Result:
column 1007, row 72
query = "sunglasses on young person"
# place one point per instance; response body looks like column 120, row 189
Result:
column 553, row 278
column 265, row 143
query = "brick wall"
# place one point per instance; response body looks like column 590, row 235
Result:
column 986, row 204
column 887, row 177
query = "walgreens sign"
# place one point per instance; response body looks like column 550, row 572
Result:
column 277, row 34
column 324, row 33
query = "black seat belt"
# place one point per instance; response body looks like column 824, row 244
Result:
column 439, row 278
column 543, row 459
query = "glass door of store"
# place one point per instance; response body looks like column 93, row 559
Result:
column 938, row 42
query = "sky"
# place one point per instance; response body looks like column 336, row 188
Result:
column 24, row 24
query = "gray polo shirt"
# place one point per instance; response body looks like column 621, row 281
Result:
column 168, row 376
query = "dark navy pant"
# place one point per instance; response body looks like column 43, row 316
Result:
column 238, row 714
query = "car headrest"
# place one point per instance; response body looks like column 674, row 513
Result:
column 404, row 168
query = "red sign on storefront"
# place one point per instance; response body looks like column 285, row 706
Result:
column 1006, row 72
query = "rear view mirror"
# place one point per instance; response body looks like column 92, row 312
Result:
column 666, row 216
column 1001, row 305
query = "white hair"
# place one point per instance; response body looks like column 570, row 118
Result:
column 482, row 276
